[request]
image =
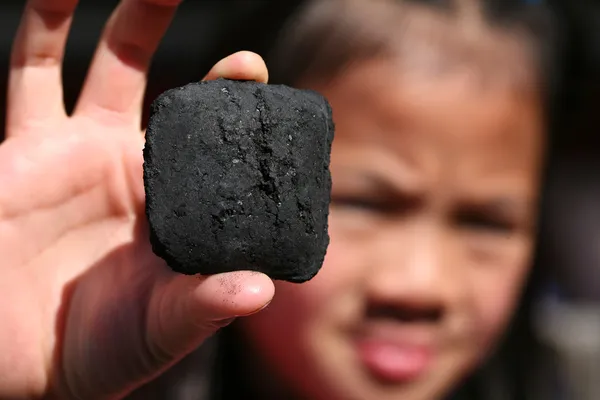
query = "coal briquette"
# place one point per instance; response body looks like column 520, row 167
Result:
column 237, row 177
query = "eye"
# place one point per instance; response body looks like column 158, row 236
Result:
column 358, row 203
column 481, row 221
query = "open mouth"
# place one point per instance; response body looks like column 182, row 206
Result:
column 398, row 343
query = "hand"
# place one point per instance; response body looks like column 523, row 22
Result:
column 86, row 310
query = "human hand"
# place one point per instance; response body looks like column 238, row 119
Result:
column 87, row 311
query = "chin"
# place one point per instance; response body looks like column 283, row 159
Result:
column 344, row 377
column 358, row 385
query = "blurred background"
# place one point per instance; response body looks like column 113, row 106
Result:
column 203, row 32
column 567, row 317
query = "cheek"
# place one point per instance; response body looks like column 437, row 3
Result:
column 290, row 334
column 495, row 293
column 299, row 310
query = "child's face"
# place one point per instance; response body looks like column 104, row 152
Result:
column 435, row 182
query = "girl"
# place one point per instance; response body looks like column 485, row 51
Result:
column 441, row 130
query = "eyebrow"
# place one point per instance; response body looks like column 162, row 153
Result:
column 393, row 185
column 376, row 184
column 501, row 206
column 388, row 177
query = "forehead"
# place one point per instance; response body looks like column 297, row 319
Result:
column 447, row 127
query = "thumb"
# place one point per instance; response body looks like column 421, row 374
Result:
column 243, row 66
column 187, row 310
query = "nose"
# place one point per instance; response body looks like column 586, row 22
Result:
column 414, row 269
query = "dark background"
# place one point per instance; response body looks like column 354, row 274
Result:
column 204, row 31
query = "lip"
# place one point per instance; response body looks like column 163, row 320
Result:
column 399, row 358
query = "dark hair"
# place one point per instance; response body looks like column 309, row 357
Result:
column 327, row 35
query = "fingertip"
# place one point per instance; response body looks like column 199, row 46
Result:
column 252, row 63
column 236, row 294
column 243, row 65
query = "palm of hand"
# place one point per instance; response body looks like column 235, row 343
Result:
column 90, row 311
column 82, row 195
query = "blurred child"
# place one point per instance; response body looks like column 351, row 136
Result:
column 441, row 130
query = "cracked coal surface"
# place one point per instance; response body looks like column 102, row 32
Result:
column 237, row 178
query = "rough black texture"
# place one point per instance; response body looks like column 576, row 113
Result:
column 237, row 178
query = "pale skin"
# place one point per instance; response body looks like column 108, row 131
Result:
column 87, row 310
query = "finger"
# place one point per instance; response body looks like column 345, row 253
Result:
column 243, row 65
column 35, row 85
column 188, row 312
column 116, row 81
